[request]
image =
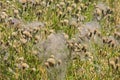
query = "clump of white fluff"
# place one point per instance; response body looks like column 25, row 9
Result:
column 55, row 45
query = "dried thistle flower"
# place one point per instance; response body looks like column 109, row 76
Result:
column 117, row 35
column 3, row 16
column 101, row 11
column 4, row 13
column 112, row 42
column 104, row 40
column 112, row 64
column 84, row 48
column 39, row 13
column 20, row 59
column 117, row 60
column 16, row 12
column 24, row 66
column 51, row 62
column 15, row 22
column 118, row 67
column 52, row 56
column 62, row 4
column 59, row 62
column 59, row 13
column 69, row 9
column 27, row 33
column 51, row 31
column 82, row 5
column 15, row 44
column 88, row 56
column 73, row 22
column 73, row 5
column 14, row 33
column 35, row 52
column 23, row 40
column 47, row 64
column 65, row 21
column 34, row 69
column 98, row 12
column 37, row 37
column 66, row 36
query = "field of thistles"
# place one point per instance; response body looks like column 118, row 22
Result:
column 59, row 39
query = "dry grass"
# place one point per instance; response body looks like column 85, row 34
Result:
column 117, row 12
column 59, row 40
